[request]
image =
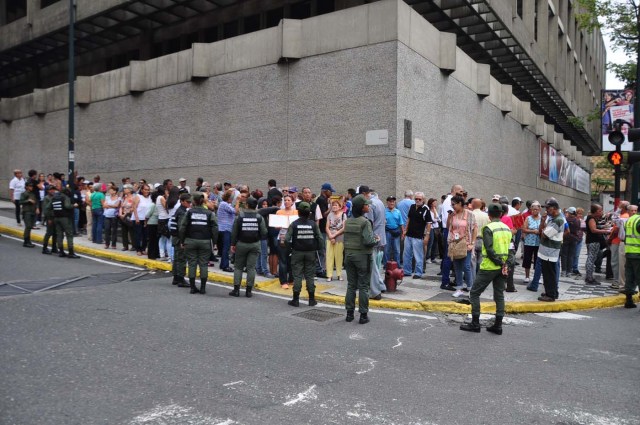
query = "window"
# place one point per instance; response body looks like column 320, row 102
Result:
column 519, row 8
column 211, row 35
column 301, row 10
column 15, row 10
column 274, row 16
column 230, row 29
column 251, row 23
column 45, row 3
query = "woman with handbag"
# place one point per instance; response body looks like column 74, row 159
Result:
column 128, row 205
column 461, row 241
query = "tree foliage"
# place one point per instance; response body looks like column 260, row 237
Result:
column 620, row 20
column 625, row 72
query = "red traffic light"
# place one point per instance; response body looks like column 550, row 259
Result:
column 615, row 158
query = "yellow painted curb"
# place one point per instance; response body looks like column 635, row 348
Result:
column 273, row 286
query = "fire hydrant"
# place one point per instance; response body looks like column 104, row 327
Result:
column 393, row 276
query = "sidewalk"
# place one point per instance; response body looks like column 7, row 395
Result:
column 412, row 294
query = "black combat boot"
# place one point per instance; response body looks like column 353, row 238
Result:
column 295, row 302
column 54, row 248
column 203, row 286
column 72, row 254
column 312, row 299
column 349, row 316
column 182, row 283
column 474, row 326
column 192, row 285
column 61, row 253
column 496, row 328
column 46, row 251
column 236, row 291
column 364, row 318
column 175, row 280
column 247, row 292
column 629, row 303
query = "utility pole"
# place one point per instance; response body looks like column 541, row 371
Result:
column 72, row 79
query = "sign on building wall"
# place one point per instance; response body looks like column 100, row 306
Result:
column 616, row 105
column 557, row 168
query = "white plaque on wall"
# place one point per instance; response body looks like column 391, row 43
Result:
column 377, row 137
column 418, row 145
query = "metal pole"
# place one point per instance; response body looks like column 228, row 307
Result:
column 72, row 79
column 635, row 170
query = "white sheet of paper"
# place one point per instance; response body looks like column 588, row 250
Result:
column 278, row 221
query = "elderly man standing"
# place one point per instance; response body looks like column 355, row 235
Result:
column 416, row 236
column 378, row 218
column 403, row 206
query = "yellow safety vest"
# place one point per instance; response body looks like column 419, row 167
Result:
column 501, row 241
column 632, row 238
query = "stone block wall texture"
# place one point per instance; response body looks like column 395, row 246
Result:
column 303, row 122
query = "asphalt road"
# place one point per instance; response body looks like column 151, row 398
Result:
column 145, row 352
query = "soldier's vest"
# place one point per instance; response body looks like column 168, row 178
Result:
column 353, row 230
column 198, row 223
column 174, row 220
column 501, row 241
column 632, row 238
column 303, row 236
column 57, row 203
column 249, row 227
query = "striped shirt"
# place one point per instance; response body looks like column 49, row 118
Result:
column 550, row 246
column 226, row 216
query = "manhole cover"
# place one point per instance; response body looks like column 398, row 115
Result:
column 318, row 315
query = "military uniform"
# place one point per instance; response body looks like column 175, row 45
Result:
column 304, row 240
column 246, row 234
column 632, row 257
column 179, row 266
column 359, row 241
column 28, row 202
column 496, row 255
column 63, row 220
column 197, row 228
column 47, row 217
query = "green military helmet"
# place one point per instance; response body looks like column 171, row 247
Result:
column 197, row 196
column 304, row 206
column 360, row 201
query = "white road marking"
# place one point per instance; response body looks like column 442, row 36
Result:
column 356, row 336
column 99, row 260
column 308, row 394
column 368, row 362
column 582, row 417
column 228, row 384
column 175, row 414
column 398, row 344
column 611, row 355
column 564, row 315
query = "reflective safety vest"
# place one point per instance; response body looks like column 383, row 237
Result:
column 175, row 220
column 632, row 237
column 57, row 203
column 249, row 227
column 501, row 241
column 303, row 238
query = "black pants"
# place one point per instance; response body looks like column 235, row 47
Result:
column 17, row 204
column 153, row 250
column 604, row 254
column 111, row 231
column 549, row 277
column 567, row 252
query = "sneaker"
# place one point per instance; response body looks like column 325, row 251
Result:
column 268, row 275
column 614, row 286
column 429, row 262
column 457, row 293
column 465, row 289
column 417, row 276
column 526, row 280
column 591, row 282
column 546, row 298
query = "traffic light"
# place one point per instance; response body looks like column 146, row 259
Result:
column 616, row 137
column 615, row 157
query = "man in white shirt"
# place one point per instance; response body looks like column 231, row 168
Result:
column 16, row 189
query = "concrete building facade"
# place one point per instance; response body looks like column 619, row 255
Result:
column 372, row 93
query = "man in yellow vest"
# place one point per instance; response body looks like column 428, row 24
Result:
column 632, row 255
column 496, row 261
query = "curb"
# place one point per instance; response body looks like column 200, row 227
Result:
column 273, row 286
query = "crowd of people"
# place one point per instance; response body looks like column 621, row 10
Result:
column 257, row 232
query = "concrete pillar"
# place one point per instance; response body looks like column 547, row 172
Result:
column 561, row 65
column 33, row 7
column 528, row 7
column 543, row 26
column 3, row 12
column 553, row 44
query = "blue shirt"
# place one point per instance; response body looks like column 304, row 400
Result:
column 403, row 206
column 226, row 216
column 394, row 218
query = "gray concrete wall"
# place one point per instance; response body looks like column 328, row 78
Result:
column 301, row 123
column 466, row 140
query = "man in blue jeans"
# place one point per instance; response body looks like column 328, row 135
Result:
column 394, row 228
column 416, row 235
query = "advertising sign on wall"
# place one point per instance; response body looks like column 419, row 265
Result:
column 559, row 169
column 616, row 105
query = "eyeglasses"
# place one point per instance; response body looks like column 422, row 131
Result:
column 419, row 199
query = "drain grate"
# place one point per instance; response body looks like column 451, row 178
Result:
column 318, row 315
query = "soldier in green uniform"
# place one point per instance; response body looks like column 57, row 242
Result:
column 179, row 268
column 303, row 239
column 63, row 220
column 47, row 218
column 28, row 202
column 246, row 234
column 632, row 256
column 359, row 241
column 197, row 229
column 497, row 259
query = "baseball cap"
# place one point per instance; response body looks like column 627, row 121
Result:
column 551, row 203
column 517, row 198
column 182, row 179
column 197, row 195
column 391, row 198
column 360, row 201
column 303, row 206
column 293, row 189
column 327, row 186
column 572, row 210
column 252, row 203
column 494, row 209
column 364, row 189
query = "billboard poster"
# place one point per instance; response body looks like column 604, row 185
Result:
column 557, row 168
column 544, row 160
column 616, row 105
